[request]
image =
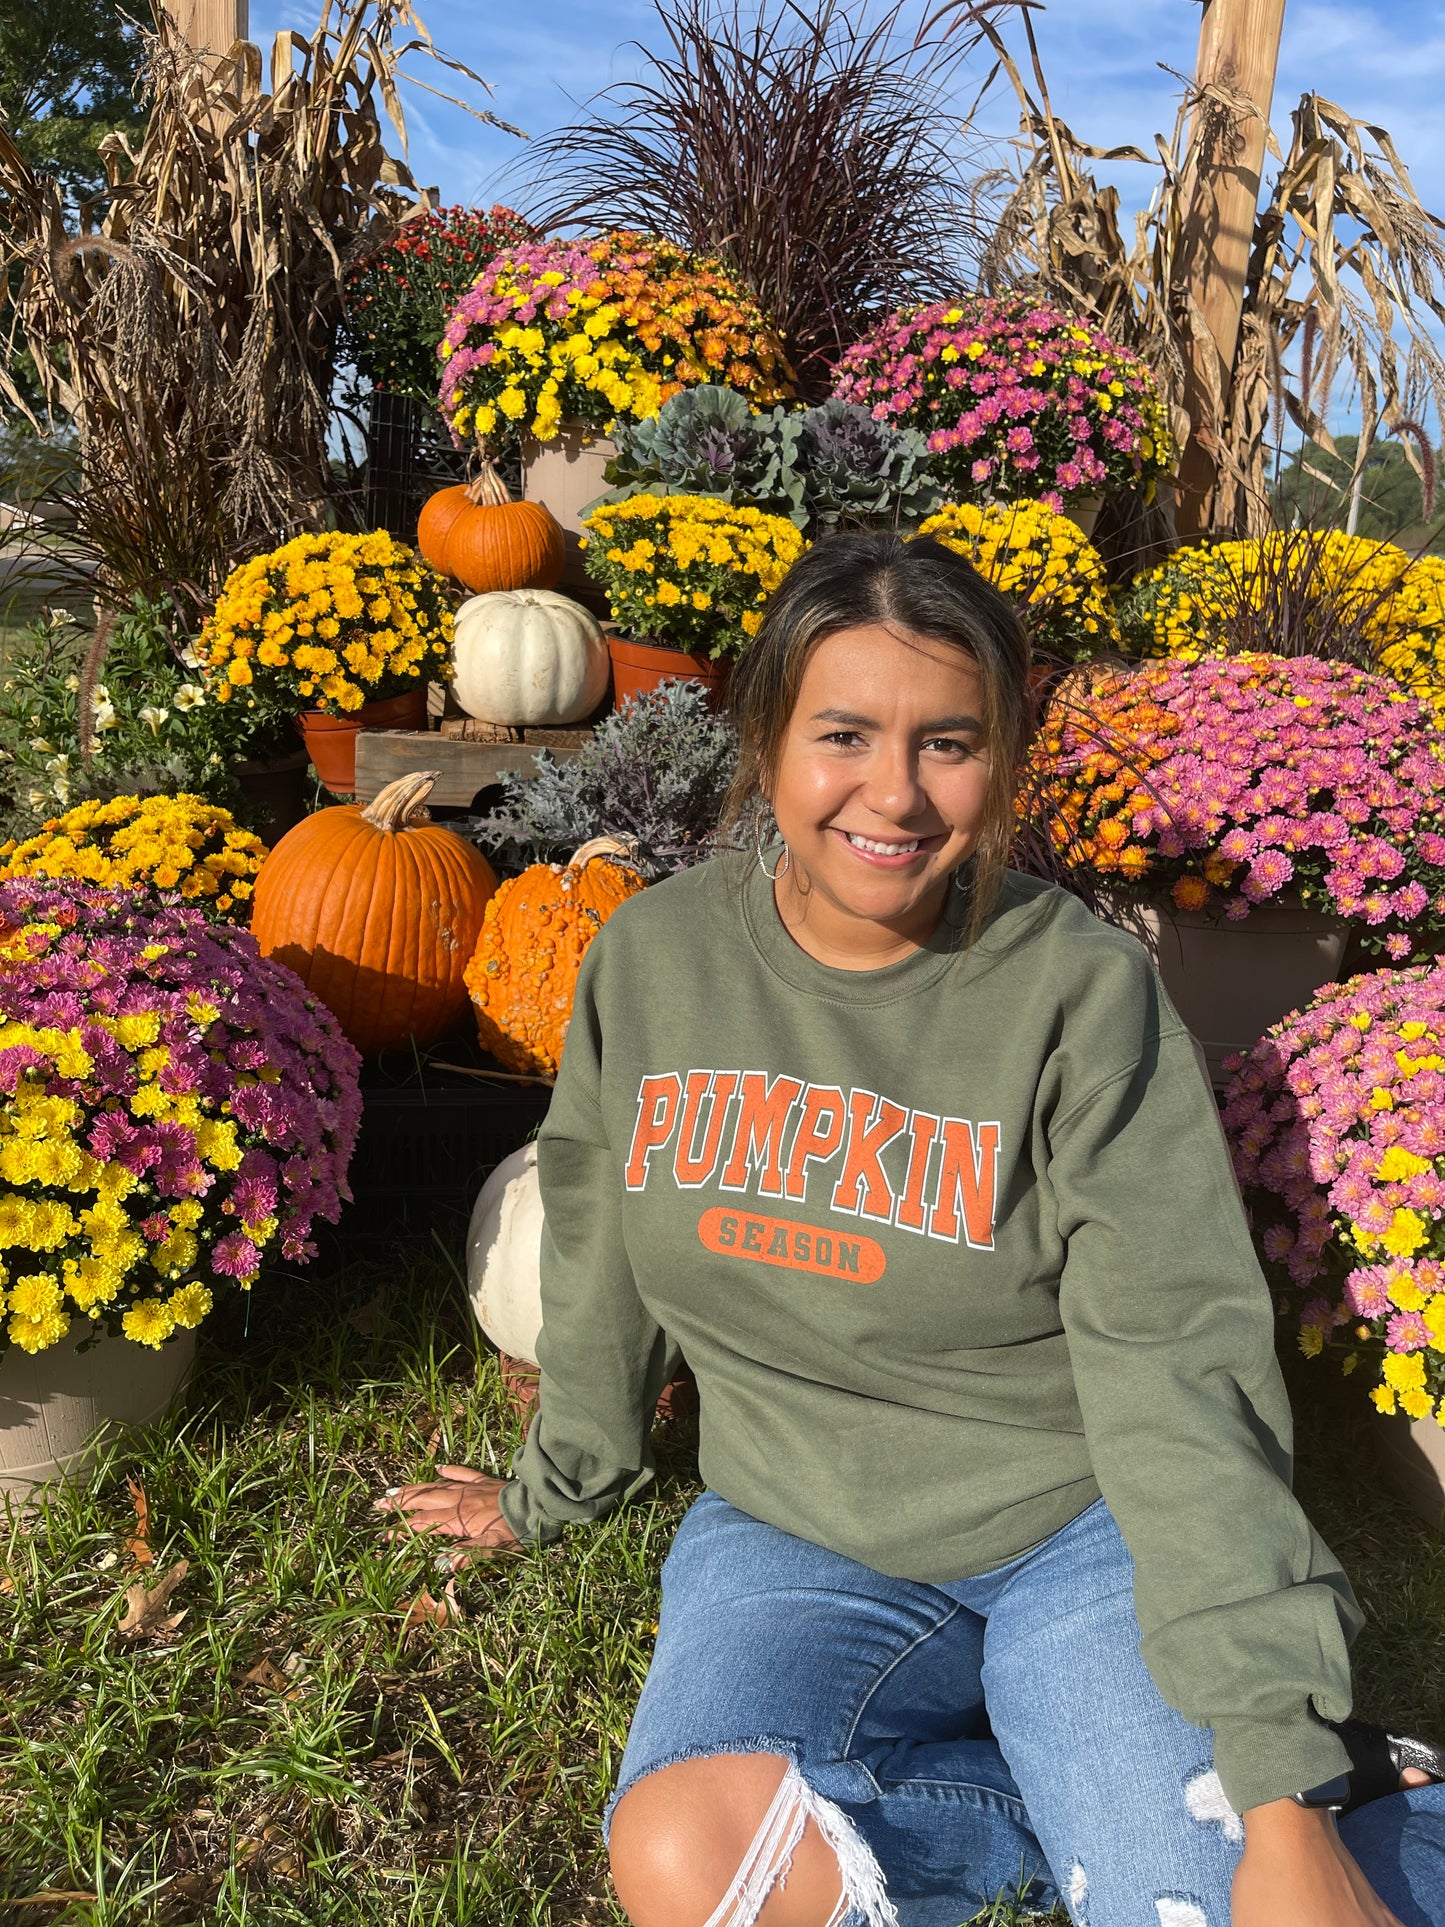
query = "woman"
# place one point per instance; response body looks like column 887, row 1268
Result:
column 997, row 1573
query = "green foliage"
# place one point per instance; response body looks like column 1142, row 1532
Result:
column 400, row 294
column 153, row 728
column 67, row 73
column 654, row 773
column 1314, row 492
column 818, row 466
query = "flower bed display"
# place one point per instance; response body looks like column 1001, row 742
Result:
column 173, row 844
column 1318, row 591
column 1041, row 560
column 173, row 1110
column 588, row 330
column 1337, row 1123
column 691, row 571
column 1015, row 398
column 399, row 296
column 1226, row 784
column 328, row 622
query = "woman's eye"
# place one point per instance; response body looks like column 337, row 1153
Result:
column 949, row 746
column 843, row 738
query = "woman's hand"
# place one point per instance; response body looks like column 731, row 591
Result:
column 1297, row 1872
column 461, row 1505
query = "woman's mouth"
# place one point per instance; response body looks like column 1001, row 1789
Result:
column 885, row 852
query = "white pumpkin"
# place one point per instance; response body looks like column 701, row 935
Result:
column 504, row 1256
column 528, row 656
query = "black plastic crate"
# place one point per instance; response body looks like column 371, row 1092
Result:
column 429, row 1137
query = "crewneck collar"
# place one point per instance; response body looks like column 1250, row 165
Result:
column 787, row 960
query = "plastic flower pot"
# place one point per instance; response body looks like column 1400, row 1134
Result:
column 640, row 667
column 331, row 740
column 57, row 1405
column 1412, row 1454
column 275, row 788
column 565, row 475
column 1083, row 512
column 1231, row 981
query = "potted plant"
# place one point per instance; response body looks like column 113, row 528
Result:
column 686, row 578
column 1317, row 592
column 1336, row 1119
column 1016, row 399
column 182, row 847
column 1241, row 815
column 819, row 466
column 340, row 631
column 173, row 1109
column 1042, row 560
column 558, row 339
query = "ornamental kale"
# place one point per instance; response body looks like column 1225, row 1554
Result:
column 655, row 773
column 818, row 466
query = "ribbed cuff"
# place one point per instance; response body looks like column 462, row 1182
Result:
column 1262, row 1760
column 527, row 1521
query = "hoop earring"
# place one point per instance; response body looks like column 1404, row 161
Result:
column 784, row 862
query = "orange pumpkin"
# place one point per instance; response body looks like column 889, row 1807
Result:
column 479, row 536
column 377, row 910
column 534, row 936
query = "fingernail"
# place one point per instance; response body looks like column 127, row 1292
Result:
column 392, row 1490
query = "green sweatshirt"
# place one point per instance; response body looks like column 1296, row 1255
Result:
column 952, row 1247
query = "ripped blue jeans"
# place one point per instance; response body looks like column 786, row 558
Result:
column 962, row 1741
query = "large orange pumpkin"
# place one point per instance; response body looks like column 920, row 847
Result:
column 479, row 536
column 534, row 936
column 378, row 910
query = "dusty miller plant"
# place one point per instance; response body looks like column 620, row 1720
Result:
column 654, row 774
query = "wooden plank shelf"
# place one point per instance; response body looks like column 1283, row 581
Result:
column 466, row 767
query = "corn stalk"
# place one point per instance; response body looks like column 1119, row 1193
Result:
column 1343, row 254
column 195, row 320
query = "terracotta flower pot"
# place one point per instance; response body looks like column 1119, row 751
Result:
column 56, row 1404
column 1412, row 1452
column 1231, row 981
column 638, row 667
column 331, row 740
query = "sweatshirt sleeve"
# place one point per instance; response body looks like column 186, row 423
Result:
column 1246, row 1616
column 604, row 1359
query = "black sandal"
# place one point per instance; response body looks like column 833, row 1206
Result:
column 1378, row 1758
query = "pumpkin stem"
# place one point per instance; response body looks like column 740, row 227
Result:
column 402, row 804
column 613, row 847
column 488, row 490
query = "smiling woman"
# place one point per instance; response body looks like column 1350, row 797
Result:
column 998, row 1573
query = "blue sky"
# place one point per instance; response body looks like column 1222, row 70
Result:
column 1383, row 60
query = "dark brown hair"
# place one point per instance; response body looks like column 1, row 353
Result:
column 918, row 588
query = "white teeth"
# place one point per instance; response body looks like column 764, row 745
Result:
column 880, row 849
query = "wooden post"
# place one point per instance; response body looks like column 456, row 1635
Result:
column 211, row 25
column 1238, row 47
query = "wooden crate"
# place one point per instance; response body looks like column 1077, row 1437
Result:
column 466, row 767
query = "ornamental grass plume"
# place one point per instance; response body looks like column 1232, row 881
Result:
column 179, row 846
column 1015, row 398
column 1044, row 562
column 1226, row 784
column 328, row 622
column 690, row 571
column 1336, row 1120
column 1298, row 592
column 588, row 330
column 174, row 1109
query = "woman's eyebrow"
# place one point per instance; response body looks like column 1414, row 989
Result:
column 849, row 720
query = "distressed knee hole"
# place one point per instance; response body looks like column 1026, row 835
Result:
column 767, row 1861
column 1076, row 1892
column 1205, row 1799
column 1173, row 1912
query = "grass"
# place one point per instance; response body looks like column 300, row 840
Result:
column 310, row 1748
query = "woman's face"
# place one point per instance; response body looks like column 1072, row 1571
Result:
column 879, row 792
